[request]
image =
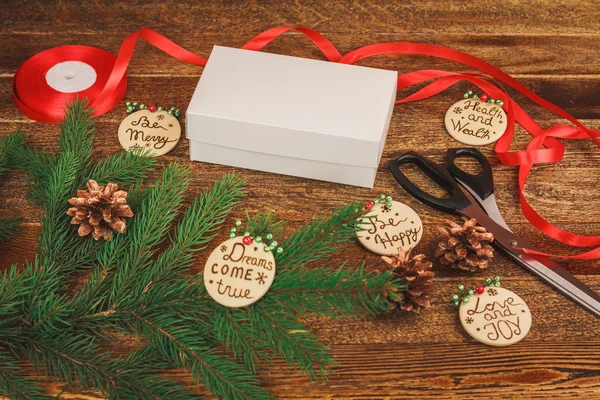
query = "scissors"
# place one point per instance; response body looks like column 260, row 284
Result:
column 473, row 196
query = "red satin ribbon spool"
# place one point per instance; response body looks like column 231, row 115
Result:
column 36, row 99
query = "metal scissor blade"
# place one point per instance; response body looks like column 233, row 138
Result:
column 489, row 205
column 564, row 282
column 556, row 276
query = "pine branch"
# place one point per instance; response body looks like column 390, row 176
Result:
column 8, row 145
column 233, row 328
column 75, row 359
column 9, row 227
column 261, row 224
column 123, row 168
column 197, row 228
column 342, row 293
column 14, row 384
column 54, row 202
column 142, row 369
column 292, row 341
column 71, row 358
column 320, row 237
column 130, row 253
column 39, row 166
column 179, row 342
column 77, row 131
column 14, row 287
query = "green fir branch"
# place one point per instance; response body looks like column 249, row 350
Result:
column 9, row 145
column 148, row 230
column 292, row 341
column 55, row 231
column 262, row 224
column 74, row 359
column 123, row 168
column 10, row 227
column 14, row 288
column 320, row 237
column 39, row 166
column 77, row 361
column 13, row 382
column 77, row 131
column 180, row 342
column 198, row 227
column 341, row 293
column 127, row 254
column 234, row 329
column 142, row 369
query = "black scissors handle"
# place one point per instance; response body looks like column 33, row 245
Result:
column 456, row 201
column 482, row 183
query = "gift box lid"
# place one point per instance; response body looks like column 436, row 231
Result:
column 292, row 107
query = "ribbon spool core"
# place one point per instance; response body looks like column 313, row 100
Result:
column 71, row 76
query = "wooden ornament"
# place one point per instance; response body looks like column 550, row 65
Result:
column 157, row 131
column 475, row 122
column 387, row 229
column 238, row 274
column 497, row 317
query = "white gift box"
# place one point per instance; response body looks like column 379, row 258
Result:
column 289, row 115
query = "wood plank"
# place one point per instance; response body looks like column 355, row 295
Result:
column 574, row 95
column 540, row 369
column 459, row 18
column 517, row 55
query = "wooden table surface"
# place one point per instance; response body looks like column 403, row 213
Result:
column 552, row 48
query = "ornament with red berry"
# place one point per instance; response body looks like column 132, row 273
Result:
column 491, row 314
column 388, row 225
column 476, row 119
column 151, row 130
column 241, row 269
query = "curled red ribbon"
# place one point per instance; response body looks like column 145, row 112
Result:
column 38, row 101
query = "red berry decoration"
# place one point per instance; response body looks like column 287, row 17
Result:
column 484, row 97
column 479, row 289
column 247, row 240
column 151, row 107
column 369, row 205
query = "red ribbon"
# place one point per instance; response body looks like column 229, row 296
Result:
column 38, row 101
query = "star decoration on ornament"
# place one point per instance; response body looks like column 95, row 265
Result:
column 492, row 292
column 261, row 278
column 135, row 147
column 384, row 209
column 160, row 117
column 469, row 320
column 457, row 110
column 223, row 249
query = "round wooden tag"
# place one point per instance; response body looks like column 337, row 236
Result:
column 387, row 229
column 497, row 317
column 237, row 275
column 156, row 131
column 475, row 122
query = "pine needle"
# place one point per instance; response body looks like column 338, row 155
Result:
column 9, row 227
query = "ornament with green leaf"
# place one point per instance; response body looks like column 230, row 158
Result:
column 113, row 262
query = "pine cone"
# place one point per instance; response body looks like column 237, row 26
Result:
column 99, row 210
column 416, row 271
column 466, row 247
